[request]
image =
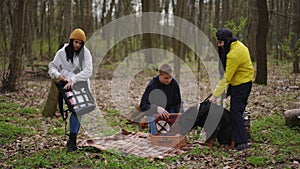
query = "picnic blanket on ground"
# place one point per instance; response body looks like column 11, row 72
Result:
column 135, row 143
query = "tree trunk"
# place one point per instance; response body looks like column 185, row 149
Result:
column 225, row 11
column 182, row 11
column 147, row 39
column 65, row 27
column 49, row 30
column 201, row 15
column 31, row 32
column 52, row 100
column 41, row 26
column 217, row 14
column 296, row 42
column 85, row 19
column 261, row 38
column 103, row 11
column 252, row 29
column 166, row 42
column 17, row 46
column 4, row 35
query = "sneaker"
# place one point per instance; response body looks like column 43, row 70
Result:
column 240, row 147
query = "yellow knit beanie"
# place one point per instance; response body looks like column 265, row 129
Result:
column 78, row 34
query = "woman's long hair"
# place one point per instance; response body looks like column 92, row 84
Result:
column 70, row 50
column 223, row 55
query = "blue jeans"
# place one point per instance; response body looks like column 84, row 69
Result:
column 74, row 123
column 152, row 125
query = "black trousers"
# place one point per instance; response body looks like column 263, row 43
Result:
column 238, row 103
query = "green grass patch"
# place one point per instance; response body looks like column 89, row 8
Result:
column 58, row 158
column 7, row 119
column 115, row 159
column 115, row 118
column 271, row 129
column 113, row 113
column 9, row 132
column 257, row 161
column 13, row 123
column 200, row 151
column 6, row 107
column 56, row 131
column 272, row 143
column 270, row 133
column 53, row 158
column 33, row 122
column 28, row 111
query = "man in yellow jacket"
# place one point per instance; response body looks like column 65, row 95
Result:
column 237, row 74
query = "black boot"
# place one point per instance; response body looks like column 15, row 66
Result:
column 71, row 144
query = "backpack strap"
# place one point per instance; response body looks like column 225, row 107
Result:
column 64, row 114
column 62, row 97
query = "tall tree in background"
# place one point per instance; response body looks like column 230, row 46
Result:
column 261, row 41
column 252, row 28
column 86, row 17
column 180, row 10
column 47, row 26
column 41, row 26
column 16, row 45
column 296, row 39
column 225, row 11
column 200, row 16
column 65, row 24
column 30, row 29
column 217, row 14
column 5, row 27
column 146, row 39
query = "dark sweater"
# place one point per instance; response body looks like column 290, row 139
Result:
column 167, row 96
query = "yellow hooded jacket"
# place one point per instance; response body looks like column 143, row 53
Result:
column 239, row 68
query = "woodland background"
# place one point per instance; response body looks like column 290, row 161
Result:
column 33, row 30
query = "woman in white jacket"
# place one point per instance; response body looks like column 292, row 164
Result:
column 67, row 68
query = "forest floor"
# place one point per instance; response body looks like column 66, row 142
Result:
column 29, row 140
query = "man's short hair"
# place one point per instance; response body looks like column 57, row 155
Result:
column 165, row 69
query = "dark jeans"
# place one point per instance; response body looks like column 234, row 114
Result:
column 238, row 103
